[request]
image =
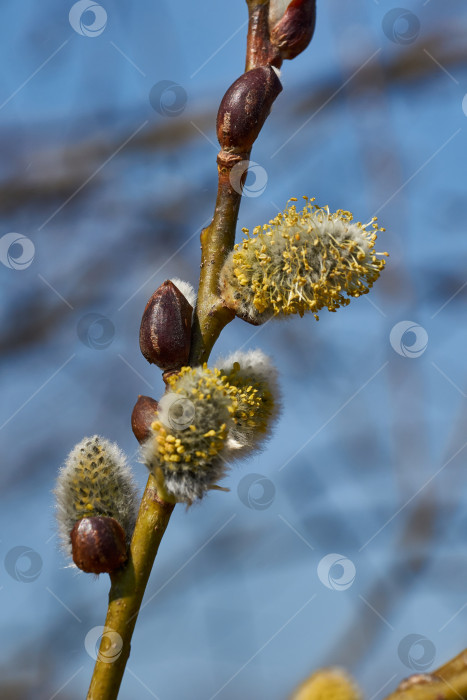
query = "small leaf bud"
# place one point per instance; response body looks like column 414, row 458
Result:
column 98, row 545
column 144, row 414
column 165, row 330
column 292, row 33
column 245, row 107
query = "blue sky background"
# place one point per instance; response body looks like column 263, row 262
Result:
column 368, row 459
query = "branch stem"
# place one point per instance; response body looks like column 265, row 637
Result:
column 126, row 593
column 217, row 240
column 259, row 51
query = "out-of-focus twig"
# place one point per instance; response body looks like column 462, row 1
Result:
column 448, row 682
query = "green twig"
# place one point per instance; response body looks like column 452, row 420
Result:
column 126, row 594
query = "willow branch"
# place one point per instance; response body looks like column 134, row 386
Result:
column 218, row 239
column 210, row 317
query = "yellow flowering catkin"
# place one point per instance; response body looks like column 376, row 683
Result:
column 95, row 480
column 188, row 438
column 253, row 379
column 301, row 261
column 207, row 418
column 328, row 684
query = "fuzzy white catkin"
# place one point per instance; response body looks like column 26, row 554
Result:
column 188, row 440
column 95, row 480
column 186, row 289
column 209, row 417
column 301, row 261
column 257, row 404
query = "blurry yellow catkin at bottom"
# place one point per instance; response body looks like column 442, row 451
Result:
column 328, row 684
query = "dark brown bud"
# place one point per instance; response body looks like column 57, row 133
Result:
column 144, row 413
column 245, row 107
column 293, row 32
column 98, row 545
column 164, row 336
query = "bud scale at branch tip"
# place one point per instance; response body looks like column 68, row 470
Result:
column 292, row 31
column 165, row 331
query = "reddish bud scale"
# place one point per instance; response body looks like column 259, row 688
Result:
column 165, row 331
column 144, row 413
column 245, row 107
column 98, row 545
column 292, row 34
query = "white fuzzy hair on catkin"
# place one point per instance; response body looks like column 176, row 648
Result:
column 186, row 289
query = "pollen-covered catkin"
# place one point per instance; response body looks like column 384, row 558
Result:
column 188, row 440
column 328, row 684
column 255, row 390
column 95, row 481
column 301, row 261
